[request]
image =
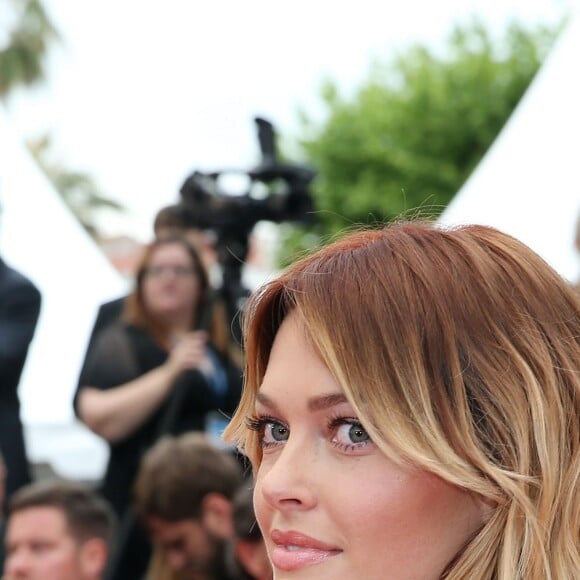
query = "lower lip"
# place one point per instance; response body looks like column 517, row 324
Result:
column 287, row 560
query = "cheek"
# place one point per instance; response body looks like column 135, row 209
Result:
column 262, row 510
column 422, row 520
column 259, row 504
column 429, row 500
column 59, row 561
column 387, row 499
column 148, row 294
column 402, row 500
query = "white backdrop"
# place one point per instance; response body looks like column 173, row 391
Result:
column 41, row 238
column 528, row 184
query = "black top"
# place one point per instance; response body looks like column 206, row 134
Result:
column 19, row 311
column 108, row 313
column 122, row 353
column 20, row 302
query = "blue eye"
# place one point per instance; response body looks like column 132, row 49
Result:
column 349, row 434
column 357, row 434
column 271, row 431
column 275, row 431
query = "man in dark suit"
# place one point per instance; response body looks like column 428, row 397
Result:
column 19, row 310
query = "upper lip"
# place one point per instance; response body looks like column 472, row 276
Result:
column 292, row 538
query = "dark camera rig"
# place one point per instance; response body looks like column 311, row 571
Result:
column 278, row 192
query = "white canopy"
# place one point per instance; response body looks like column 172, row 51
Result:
column 528, row 184
column 40, row 237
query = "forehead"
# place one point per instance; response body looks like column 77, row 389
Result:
column 295, row 368
column 37, row 522
column 170, row 252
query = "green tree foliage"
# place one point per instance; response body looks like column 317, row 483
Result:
column 28, row 35
column 418, row 125
column 78, row 190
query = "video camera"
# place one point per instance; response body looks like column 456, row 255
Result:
column 285, row 197
column 277, row 192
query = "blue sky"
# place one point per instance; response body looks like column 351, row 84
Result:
column 141, row 93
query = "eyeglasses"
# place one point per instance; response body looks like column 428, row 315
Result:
column 160, row 271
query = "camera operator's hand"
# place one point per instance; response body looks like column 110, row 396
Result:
column 190, row 353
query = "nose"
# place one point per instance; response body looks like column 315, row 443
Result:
column 17, row 564
column 286, row 480
column 176, row 559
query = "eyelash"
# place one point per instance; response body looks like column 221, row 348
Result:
column 339, row 421
column 259, row 423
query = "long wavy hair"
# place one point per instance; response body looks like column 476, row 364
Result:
column 459, row 350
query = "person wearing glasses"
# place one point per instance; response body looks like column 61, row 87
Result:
column 162, row 369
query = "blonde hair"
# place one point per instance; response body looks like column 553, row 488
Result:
column 459, row 350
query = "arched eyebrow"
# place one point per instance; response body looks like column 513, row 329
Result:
column 318, row 403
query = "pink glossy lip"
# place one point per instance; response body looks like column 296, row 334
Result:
column 294, row 550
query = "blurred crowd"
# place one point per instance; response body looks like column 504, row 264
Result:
column 161, row 376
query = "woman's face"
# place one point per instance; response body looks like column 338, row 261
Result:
column 170, row 286
column 329, row 503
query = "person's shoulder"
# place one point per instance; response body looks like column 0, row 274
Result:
column 19, row 294
column 112, row 308
column 124, row 331
column 13, row 280
column 112, row 342
column 115, row 328
column 115, row 303
column 107, row 314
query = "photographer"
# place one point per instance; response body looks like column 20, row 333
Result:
column 160, row 369
column 170, row 221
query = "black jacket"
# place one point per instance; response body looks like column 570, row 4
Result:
column 19, row 310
